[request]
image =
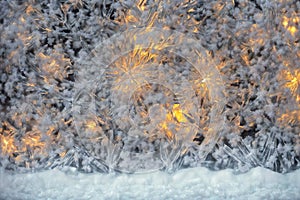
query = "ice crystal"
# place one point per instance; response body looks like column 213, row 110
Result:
column 62, row 95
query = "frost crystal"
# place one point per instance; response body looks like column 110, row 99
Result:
column 136, row 85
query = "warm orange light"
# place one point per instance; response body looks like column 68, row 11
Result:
column 137, row 58
column 290, row 24
column 53, row 65
column 141, row 4
column 285, row 22
column 290, row 117
column 31, row 140
column 293, row 82
column 166, row 129
column 178, row 114
column 7, row 144
column 30, row 84
column 131, row 64
column 22, row 19
column 174, row 117
column 292, row 30
column 91, row 125
column 131, row 19
column 29, row 9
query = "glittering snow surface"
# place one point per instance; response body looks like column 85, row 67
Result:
column 82, row 84
column 193, row 183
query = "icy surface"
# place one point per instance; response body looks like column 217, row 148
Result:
column 78, row 82
column 193, row 183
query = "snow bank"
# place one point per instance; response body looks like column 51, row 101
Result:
column 193, row 183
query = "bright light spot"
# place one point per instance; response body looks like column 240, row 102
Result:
column 178, row 114
column 291, row 24
column 91, row 125
column 293, row 81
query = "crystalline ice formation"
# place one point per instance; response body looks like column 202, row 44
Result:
column 131, row 75
column 46, row 48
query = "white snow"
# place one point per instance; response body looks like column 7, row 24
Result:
column 192, row 183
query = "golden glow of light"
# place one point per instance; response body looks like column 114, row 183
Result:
column 151, row 20
column 130, row 18
column 174, row 117
column 47, row 29
column 166, row 129
column 135, row 16
column 22, row 19
column 137, row 58
column 292, row 82
column 29, row 10
column 259, row 39
column 141, row 4
column 7, row 144
column 285, row 22
column 290, row 117
column 62, row 154
column 132, row 63
column 91, row 125
column 178, row 113
column 32, row 139
column 245, row 58
column 191, row 10
column 291, row 24
column 196, row 30
column 50, row 130
column 67, row 122
column 30, row 84
column 53, row 65
column 292, row 30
